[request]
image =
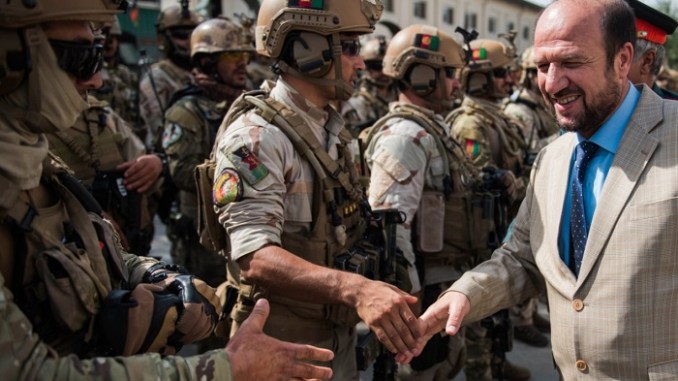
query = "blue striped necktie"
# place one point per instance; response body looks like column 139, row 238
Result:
column 579, row 230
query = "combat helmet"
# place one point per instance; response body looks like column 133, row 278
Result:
column 176, row 22
column 176, row 17
column 220, row 35
column 304, row 36
column 419, row 57
column 488, row 56
column 19, row 20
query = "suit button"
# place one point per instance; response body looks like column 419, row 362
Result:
column 581, row 365
column 578, row 305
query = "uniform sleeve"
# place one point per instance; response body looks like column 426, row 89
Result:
column 398, row 165
column 23, row 356
column 469, row 131
column 256, row 163
column 182, row 141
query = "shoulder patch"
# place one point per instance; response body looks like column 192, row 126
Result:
column 472, row 148
column 248, row 164
column 227, row 187
column 171, row 135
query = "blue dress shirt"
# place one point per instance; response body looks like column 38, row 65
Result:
column 607, row 137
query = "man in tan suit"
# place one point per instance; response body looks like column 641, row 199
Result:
column 612, row 287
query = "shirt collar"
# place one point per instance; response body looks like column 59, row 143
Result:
column 610, row 133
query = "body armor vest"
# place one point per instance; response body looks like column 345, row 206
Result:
column 505, row 137
column 546, row 123
column 337, row 227
column 67, row 260
column 452, row 225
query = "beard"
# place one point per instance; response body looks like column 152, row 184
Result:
column 595, row 112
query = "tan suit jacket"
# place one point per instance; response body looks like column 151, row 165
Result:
column 619, row 319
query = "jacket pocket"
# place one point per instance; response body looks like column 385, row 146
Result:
column 657, row 209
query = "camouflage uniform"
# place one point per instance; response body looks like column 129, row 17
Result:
column 540, row 126
column 265, row 194
column 409, row 172
column 191, row 125
column 121, row 91
column 155, row 91
column 100, row 141
column 365, row 106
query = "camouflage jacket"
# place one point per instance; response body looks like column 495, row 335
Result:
column 121, row 91
column 539, row 124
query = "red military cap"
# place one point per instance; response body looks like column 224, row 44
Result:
column 652, row 25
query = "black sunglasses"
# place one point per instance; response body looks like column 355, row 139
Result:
column 350, row 47
column 500, row 72
column 80, row 59
column 450, row 72
column 181, row 33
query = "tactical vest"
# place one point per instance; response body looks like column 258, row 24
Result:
column 66, row 260
column 184, row 111
column 453, row 224
column 546, row 123
column 337, row 226
column 505, row 137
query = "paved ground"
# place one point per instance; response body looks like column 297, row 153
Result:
column 538, row 360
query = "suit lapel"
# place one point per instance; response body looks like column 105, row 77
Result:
column 633, row 154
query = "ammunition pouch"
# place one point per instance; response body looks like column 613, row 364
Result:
column 211, row 233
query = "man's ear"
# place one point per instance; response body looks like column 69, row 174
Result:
column 624, row 59
column 647, row 62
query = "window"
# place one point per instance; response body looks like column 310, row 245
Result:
column 448, row 15
column 388, row 5
column 526, row 33
column 492, row 25
column 420, row 9
column 470, row 21
column 511, row 26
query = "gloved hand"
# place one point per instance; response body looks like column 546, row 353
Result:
column 500, row 180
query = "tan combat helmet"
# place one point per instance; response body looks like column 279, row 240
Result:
column 220, row 35
column 304, row 36
column 176, row 22
column 527, row 59
column 19, row 19
column 419, row 57
column 373, row 49
column 487, row 55
column 175, row 17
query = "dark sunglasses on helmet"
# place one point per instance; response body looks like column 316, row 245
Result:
column 80, row 59
column 500, row 72
column 351, row 47
column 180, row 33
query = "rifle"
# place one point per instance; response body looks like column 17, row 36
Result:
column 500, row 332
column 382, row 234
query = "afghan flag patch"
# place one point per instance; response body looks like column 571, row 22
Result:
column 308, row 4
column 227, row 187
column 479, row 54
column 427, row 41
column 248, row 165
column 472, row 149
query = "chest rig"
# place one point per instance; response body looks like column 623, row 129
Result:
column 505, row 137
column 66, row 259
column 337, row 227
column 453, row 223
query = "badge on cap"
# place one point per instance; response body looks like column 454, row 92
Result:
column 227, row 188
column 248, row 165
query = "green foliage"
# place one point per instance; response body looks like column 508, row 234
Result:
column 667, row 7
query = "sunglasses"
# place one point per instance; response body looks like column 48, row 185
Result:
column 235, row 57
column 350, row 48
column 180, row 34
column 80, row 59
column 450, row 72
column 501, row 72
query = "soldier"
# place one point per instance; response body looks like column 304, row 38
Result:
column 121, row 84
column 490, row 138
column 652, row 27
column 74, row 293
column 375, row 90
column 220, row 51
column 111, row 161
column 540, row 128
column 527, row 105
column 415, row 167
column 170, row 74
column 286, row 192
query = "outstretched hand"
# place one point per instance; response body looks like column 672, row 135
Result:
column 257, row 357
column 141, row 173
column 447, row 313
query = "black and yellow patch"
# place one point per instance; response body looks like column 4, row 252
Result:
column 227, row 187
column 248, row 165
